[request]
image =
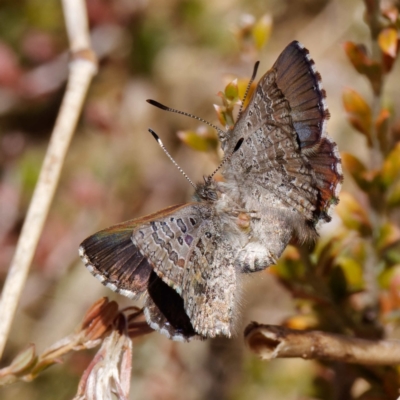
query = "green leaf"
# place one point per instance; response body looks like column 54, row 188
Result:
column 357, row 55
column 41, row 366
column 356, row 169
column 358, row 112
column 388, row 41
column 386, row 276
column 353, row 272
column 393, row 197
column 289, row 266
column 353, row 214
column 242, row 85
column 221, row 114
column 389, row 235
column 392, row 256
column 201, row 140
column 327, row 249
column 232, row 91
column 261, row 31
column 24, row 361
column 391, row 167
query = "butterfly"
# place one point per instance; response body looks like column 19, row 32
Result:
column 281, row 178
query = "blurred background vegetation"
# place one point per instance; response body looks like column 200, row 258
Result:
column 182, row 53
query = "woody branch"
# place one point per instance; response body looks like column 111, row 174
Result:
column 271, row 341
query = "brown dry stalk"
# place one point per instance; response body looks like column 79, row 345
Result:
column 271, row 341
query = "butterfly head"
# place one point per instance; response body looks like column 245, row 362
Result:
column 207, row 191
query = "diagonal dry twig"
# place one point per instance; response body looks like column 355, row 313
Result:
column 83, row 67
column 272, row 341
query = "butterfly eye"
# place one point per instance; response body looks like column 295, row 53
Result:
column 212, row 195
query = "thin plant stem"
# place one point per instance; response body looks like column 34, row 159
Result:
column 82, row 69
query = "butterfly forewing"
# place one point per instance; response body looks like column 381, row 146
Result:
column 285, row 148
column 166, row 242
column 112, row 258
column 276, row 165
column 300, row 83
column 150, row 255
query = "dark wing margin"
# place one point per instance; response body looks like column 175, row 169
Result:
column 300, row 84
column 327, row 166
column 113, row 259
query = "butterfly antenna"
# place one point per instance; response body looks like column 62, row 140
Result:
column 162, row 107
column 253, row 76
column 155, row 136
column 237, row 147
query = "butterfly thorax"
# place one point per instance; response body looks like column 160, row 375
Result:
column 225, row 201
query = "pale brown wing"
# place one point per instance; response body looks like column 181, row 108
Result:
column 210, row 286
column 270, row 160
column 285, row 147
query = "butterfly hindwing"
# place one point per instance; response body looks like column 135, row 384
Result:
column 210, row 284
column 165, row 312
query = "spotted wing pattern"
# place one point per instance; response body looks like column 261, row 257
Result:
column 166, row 242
